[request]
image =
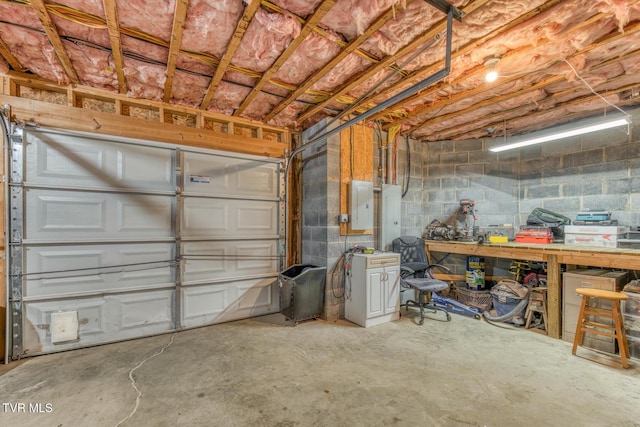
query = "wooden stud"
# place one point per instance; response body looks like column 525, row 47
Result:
column 554, row 297
column 360, row 78
column 356, row 165
column 352, row 46
column 113, row 25
column 315, row 19
column 65, row 117
column 249, row 11
column 174, row 48
column 52, row 33
column 5, row 52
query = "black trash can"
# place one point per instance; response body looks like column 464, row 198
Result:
column 302, row 291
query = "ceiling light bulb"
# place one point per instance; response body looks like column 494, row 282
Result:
column 491, row 76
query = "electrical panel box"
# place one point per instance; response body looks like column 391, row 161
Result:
column 361, row 205
column 390, row 214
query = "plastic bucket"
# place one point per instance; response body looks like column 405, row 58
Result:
column 475, row 273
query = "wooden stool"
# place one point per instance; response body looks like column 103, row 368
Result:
column 584, row 325
column 537, row 304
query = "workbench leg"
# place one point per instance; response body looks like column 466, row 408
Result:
column 554, row 297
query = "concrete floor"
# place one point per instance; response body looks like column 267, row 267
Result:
column 261, row 372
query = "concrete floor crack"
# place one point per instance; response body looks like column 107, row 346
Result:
column 133, row 381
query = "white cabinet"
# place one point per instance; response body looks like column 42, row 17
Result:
column 373, row 291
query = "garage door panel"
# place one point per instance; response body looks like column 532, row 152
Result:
column 64, row 160
column 222, row 302
column 92, row 268
column 211, row 218
column 145, row 310
column 100, row 320
column 122, row 239
column 60, row 215
column 224, row 176
column 226, row 259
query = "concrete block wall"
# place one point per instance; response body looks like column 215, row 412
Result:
column 594, row 171
column 322, row 244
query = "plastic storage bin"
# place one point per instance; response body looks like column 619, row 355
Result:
column 302, row 291
column 631, row 316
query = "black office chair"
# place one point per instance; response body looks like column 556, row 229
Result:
column 416, row 273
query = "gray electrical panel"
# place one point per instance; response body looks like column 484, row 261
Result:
column 390, row 214
column 361, row 205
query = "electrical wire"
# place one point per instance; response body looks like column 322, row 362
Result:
column 133, row 381
column 593, row 91
column 407, row 171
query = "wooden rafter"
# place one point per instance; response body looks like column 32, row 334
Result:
column 113, row 25
column 634, row 28
column 487, row 102
column 52, row 33
column 309, row 25
column 352, row 46
column 249, row 11
column 174, row 47
column 5, row 52
column 423, row 72
column 497, row 119
column 358, row 79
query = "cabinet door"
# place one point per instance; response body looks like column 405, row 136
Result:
column 392, row 291
column 375, row 292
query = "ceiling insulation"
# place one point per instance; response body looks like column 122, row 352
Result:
column 291, row 63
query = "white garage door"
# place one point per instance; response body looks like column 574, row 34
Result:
column 113, row 239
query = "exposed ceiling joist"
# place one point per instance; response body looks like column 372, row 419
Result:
column 422, row 72
column 456, row 98
column 241, row 27
column 501, row 121
column 52, row 33
column 113, row 25
column 174, row 47
column 309, row 25
column 531, row 38
column 363, row 77
column 352, row 46
column 5, row 52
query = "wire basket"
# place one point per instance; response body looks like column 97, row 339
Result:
column 480, row 299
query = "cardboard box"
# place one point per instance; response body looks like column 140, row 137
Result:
column 605, row 236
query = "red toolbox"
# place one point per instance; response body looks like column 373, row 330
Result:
column 534, row 235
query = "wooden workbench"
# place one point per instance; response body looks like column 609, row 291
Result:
column 554, row 255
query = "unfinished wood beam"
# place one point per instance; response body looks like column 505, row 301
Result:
column 360, row 78
column 497, row 120
column 113, row 25
column 249, row 11
column 174, row 47
column 352, row 46
column 485, row 88
column 55, row 40
column 12, row 83
column 479, row 70
column 317, row 16
column 71, row 118
column 486, row 102
column 5, row 52
column 423, row 72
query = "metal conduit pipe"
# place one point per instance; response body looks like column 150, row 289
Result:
column 451, row 12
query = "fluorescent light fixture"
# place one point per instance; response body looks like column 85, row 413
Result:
column 564, row 131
